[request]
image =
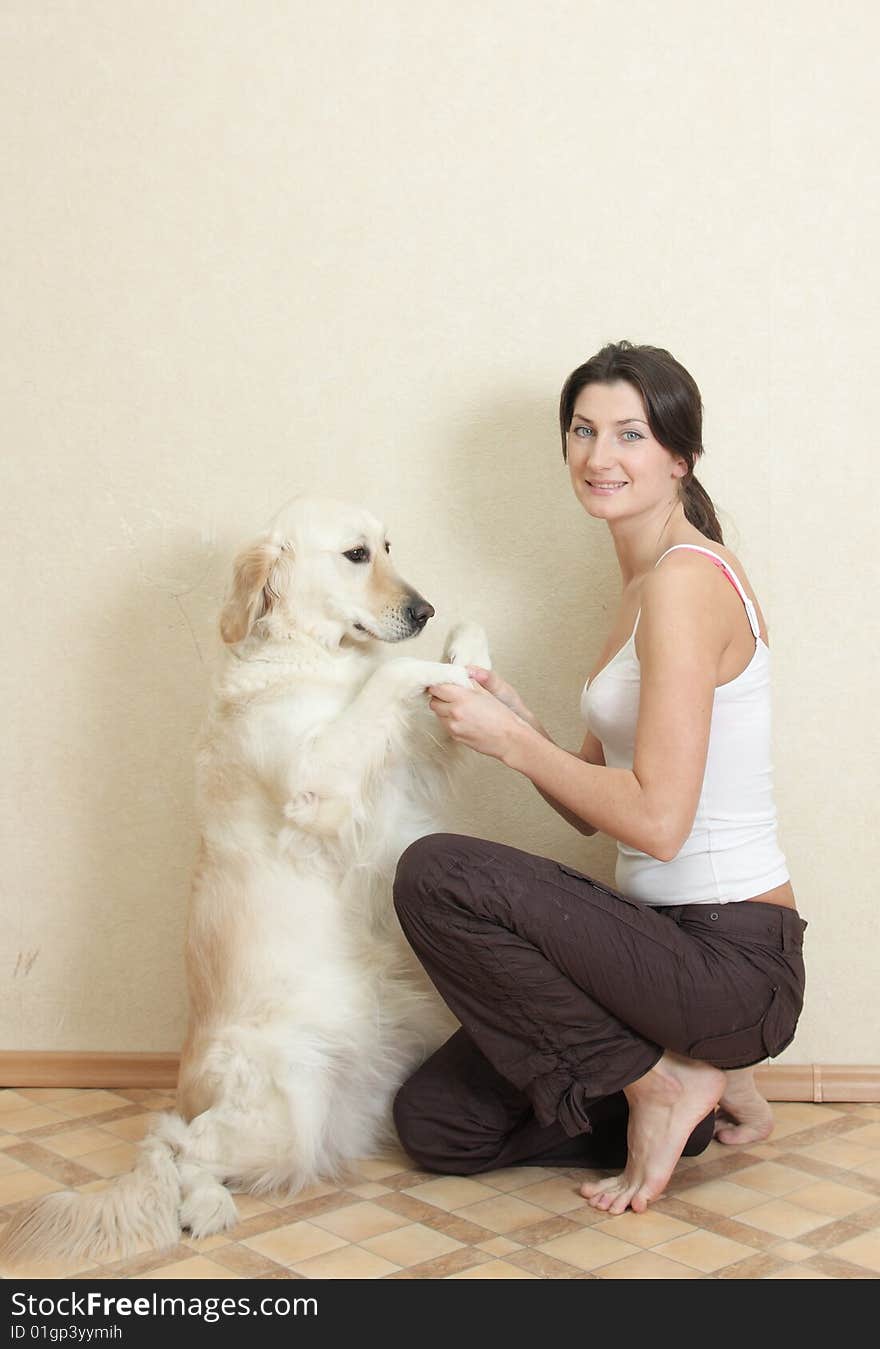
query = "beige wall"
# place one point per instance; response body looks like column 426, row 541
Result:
column 253, row 249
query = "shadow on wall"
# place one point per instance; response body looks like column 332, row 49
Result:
column 542, row 577
column 145, row 670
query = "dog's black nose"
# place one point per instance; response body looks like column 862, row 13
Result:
column 419, row 612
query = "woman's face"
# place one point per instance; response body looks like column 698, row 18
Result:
column 618, row 470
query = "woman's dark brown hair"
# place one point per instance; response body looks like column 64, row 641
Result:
column 673, row 408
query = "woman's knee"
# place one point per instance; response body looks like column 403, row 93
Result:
column 434, row 1136
column 419, row 868
column 417, row 1131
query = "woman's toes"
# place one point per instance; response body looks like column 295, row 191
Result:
column 593, row 1193
column 736, row 1133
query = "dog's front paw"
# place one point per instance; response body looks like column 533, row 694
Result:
column 413, row 676
column 467, row 644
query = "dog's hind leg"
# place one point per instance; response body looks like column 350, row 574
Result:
column 206, row 1206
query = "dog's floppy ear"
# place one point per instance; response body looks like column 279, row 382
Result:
column 254, row 592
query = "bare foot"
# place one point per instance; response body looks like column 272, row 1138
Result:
column 744, row 1115
column 665, row 1106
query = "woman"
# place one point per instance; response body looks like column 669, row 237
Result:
column 575, row 999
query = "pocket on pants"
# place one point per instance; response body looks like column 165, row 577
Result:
column 741, row 1048
column 597, row 885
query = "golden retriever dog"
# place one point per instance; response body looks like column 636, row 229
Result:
column 318, row 764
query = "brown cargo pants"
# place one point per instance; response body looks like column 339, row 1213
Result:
column 567, row 992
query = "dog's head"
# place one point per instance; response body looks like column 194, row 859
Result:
column 323, row 569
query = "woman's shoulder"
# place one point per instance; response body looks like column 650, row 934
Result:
column 685, row 540
column 684, row 579
column 686, row 557
column 683, row 584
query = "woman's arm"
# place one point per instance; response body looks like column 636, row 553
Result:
column 681, row 637
column 590, row 751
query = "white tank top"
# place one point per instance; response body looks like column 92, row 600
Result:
column 732, row 852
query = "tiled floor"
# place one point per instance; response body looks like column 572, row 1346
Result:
column 803, row 1205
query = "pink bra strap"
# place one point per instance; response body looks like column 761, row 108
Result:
column 751, row 612
column 720, row 565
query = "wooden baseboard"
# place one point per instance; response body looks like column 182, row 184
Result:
column 819, row 1081
column 25, row 1069
column 778, row 1082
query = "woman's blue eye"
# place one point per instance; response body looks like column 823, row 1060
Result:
column 588, row 431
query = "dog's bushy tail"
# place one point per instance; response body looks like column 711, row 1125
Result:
column 150, row 1204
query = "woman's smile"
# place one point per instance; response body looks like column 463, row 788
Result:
column 604, row 488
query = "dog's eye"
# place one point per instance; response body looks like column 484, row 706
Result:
column 357, row 554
